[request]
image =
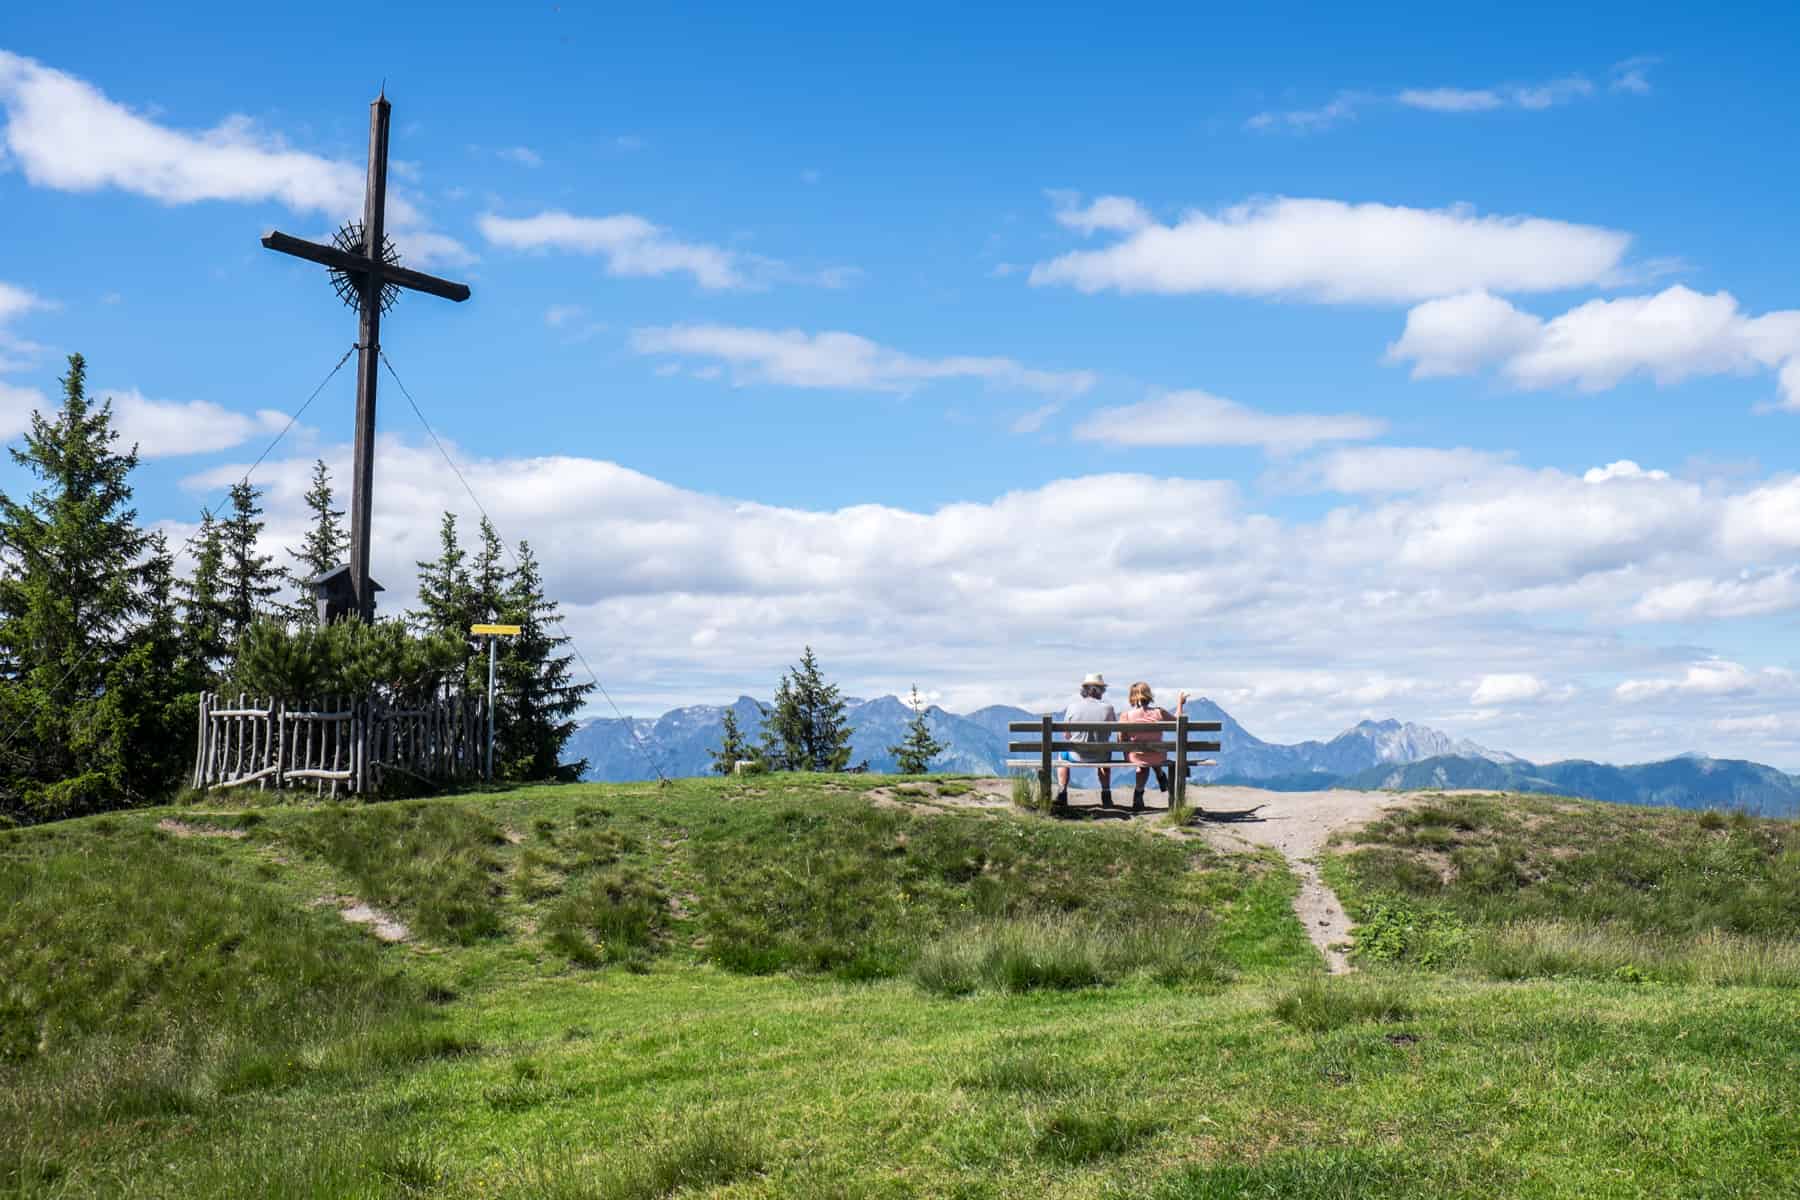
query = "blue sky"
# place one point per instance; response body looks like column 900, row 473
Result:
column 1280, row 354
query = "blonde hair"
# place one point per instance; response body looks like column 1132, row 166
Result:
column 1140, row 695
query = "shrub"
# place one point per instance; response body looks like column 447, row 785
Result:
column 1391, row 930
column 345, row 658
column 1026, row 793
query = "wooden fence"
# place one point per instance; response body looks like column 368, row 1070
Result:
column 337, row 744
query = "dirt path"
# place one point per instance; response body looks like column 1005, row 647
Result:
column 1295, row 823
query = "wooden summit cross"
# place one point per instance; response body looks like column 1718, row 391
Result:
column 368, row 277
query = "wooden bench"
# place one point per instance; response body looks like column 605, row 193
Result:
column 1049, row 750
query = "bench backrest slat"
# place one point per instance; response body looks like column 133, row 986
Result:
column 1112, row 726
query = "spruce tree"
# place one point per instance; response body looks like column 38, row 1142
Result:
column 734, row 748
column 488, row 576
column 823, row 729
column 202, row 605
column 782, row 744
column 324, row 546
column 73, row 577
column 489, row 580
column 147, row 713
column 251, row 579
column 446, row 598
column 918, row 747
column 538, row 698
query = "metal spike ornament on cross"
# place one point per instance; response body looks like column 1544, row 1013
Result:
column 366, row 272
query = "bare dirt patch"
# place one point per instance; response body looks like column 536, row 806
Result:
column 383, row 925
column 970, row 793
column 182, row 829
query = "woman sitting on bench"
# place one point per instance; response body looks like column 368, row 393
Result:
column 1143, row 708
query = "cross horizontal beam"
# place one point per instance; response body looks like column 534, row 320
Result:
column 356, row 264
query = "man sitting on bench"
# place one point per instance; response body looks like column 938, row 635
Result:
column 1089, row 706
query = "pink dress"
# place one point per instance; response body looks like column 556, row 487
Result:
column 1148, row 758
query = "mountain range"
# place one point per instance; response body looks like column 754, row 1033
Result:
column 1368, row 755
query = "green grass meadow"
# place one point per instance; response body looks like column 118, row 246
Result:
column 777, row 987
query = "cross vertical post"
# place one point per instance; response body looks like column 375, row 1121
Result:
column 368, row 276
column 368, row 359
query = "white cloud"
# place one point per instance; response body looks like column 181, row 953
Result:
column 1358, row 470
column 16, row 406
column 168, row 428
column 1333, row 252
column 17, row 301
column 525, row 156
column 1627, row 76
column 1631, row 75
column 1116, row 214
column 1507, row 688
column 1765, row 728
column 1297, row 623
column 1452, row 100
column 841, row 360
column 1340, row 108
column 1624, row 468
column 17, row 403
column 1033, row 421
column 1752, row 593
column 1763, row 521
column 67, row 135
column 1196, row 418
column 1670, row 336
column 424, row 248
column 558, row 315
column 1714, row 677
column 1461, row 334
column 1531, row 96
column 631, row 245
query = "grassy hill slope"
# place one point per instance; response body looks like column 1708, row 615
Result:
column 792, row 988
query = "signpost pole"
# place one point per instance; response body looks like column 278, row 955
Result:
column 492, row 643
column 492, row 633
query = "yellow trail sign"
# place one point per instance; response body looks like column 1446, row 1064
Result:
column 498, row 630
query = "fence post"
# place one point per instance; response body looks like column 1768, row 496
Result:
column 1044, row 781
column 200, row 746
column 1178, row 785
column 356, row 739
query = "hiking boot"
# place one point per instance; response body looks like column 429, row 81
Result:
column 1137, row 800
column 1062, row 798
column 1106, row 798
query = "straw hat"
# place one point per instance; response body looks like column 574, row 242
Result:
column 1094, row 680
